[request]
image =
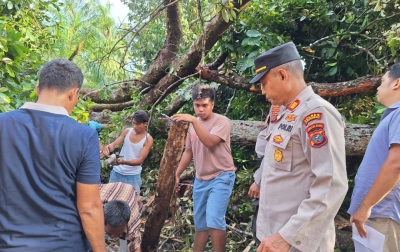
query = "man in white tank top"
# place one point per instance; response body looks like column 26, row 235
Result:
column 136, row 146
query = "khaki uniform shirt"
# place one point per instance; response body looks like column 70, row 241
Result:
column 304, row 179
column 274, row 113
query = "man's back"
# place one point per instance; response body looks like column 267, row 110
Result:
column 42, row 156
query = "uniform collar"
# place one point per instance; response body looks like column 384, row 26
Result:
column 299, row 100
column 46, row 108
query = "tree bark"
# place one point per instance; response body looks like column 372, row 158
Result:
column 244, row 133
column 357, row 86
column 165, row 185
column 357, row 136
column 161, row 63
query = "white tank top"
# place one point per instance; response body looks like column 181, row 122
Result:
column 130, row 151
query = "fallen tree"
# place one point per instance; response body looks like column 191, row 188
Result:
column 244, row 133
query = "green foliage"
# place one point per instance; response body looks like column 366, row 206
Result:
column 24, row 38
column 87, row 35
column 81, row 111
column 337, row 41
column 361, row 109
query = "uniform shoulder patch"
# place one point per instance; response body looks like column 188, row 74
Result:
column 316, row 134
column 312, row 117
column 274, row 113
column 294, row 105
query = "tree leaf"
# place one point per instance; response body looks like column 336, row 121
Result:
column 332, row 71
column 4, row 99
column 253, row 33
column 253, row 54
column 233, row 13
column 225, row 15
column 10, row 5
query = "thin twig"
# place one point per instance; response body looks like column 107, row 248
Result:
column 380, row 19
column 230, row 102
column 203, row 42
column 114, row 83
column 248, row 248
column 169, row 237
column 239, row 231
column 370, row 54
column 161, row 97
column 357, row 18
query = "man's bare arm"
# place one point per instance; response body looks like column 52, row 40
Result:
column 142, row 156
column 387, row 179
column 110, row 147
column 209, row 140
column 183, row 164
column 90, row 210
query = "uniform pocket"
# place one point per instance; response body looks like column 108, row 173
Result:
column 281, row 152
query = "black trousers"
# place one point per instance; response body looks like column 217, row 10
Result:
column 253, row 225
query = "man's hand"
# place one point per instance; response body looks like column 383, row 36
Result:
column 359, row 219
column 274, row 243
column 177, row 186
column 183, row 117
column 119, row 161
column 106, row 150
column 254, row 191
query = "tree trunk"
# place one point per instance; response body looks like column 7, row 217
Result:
column 357, row 136
column 244, row 133
column 161, row 63
column 165, row 185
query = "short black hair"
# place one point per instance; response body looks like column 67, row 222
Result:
column 116, row 213
column 60, row 74
column 394, row 71
column 202, row 92
column 140, row 116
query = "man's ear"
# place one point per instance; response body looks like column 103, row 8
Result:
column 282, row 74
column 37, row 89
column 72, row 93
column 396, row 84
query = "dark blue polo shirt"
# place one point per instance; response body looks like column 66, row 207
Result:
column 42, row 156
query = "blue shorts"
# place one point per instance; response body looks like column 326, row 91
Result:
column 210, row 201
column 133, row 180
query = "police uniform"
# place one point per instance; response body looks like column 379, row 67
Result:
column 273, row 115
column 304, row 179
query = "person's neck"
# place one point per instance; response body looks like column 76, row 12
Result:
column 50, row 97
column 295, row 93
column 208, row 117
column 391, row 102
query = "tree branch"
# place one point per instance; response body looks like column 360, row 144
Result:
column 186, row 64
column 357, row 86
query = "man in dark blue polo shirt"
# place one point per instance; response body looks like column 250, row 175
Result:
column 50, row 171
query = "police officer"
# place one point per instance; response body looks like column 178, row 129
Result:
column 304, row 178
column 261, row 142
